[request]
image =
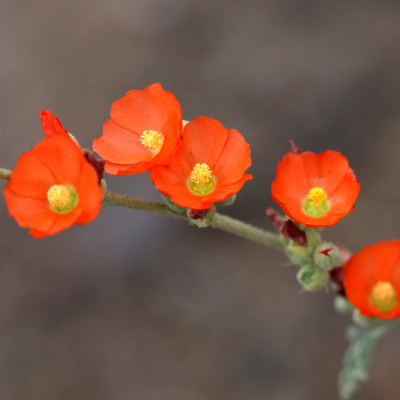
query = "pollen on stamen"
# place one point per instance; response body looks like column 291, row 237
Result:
column 58, row 196
column 61, row 198
column 317, row 196
column 152, row 140
column 384, row 296
column 201, row 173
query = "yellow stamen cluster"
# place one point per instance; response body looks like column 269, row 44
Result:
column 201, row 173
column 384, row 296
column 317, row 196
column 152, row 140
column 62, row 198
column 58, row 196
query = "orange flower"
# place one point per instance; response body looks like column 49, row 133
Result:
column 144, row 130
column 372, row 280
column 52, row 187
column 51, row 125
column 207, row 167
column 315, row 189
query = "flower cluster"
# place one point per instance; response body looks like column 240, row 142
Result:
column 57, row 184
column 317, row 190
column 200, row 165
column 197, row 166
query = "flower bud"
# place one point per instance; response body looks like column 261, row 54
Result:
column 342, row 306
column 327, row 256
column 298, row 254
column 361, row 320
column 227, row 202
column 312, row 278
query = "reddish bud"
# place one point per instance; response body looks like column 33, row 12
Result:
column 97, row 163
column 51, row 125
column 336, row 276
column 276, row 219
column 290, row 230
column 287, row 227
column 197, row 214
column 293, row 148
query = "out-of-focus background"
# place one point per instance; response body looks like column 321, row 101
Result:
column 136, row 306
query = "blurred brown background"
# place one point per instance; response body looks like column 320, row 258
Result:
column 135, row 306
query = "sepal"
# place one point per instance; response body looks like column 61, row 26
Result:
column 172, row 206
column 201, row 218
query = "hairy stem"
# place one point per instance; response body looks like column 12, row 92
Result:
column 218, row 221
column 244, row 230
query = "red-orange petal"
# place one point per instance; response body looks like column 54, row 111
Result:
column 229, row 169
column 204, row 140
column 29, row 212
column 120, row 146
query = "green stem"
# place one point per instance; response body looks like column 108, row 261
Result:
column 120, row 200
column 246, row 231
column 218, row 221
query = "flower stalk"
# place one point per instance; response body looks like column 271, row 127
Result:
column 218, row 221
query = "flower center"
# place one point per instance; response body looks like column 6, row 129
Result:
column 201, row 173
column 315, row 203
column 383, row 295
column 201, row 181
column 62, row 198
column 152, row 140
column 317, row 196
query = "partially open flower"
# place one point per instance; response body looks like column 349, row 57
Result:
column 372, row 280
column 52, row 187
column 207, row 167
column 315, row 189
column 143, row 131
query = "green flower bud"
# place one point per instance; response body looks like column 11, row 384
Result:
column 312, row 278
column 227, row 202
column 327, row 256
column 362, row 321
column 342, row 306
column 299, row 255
